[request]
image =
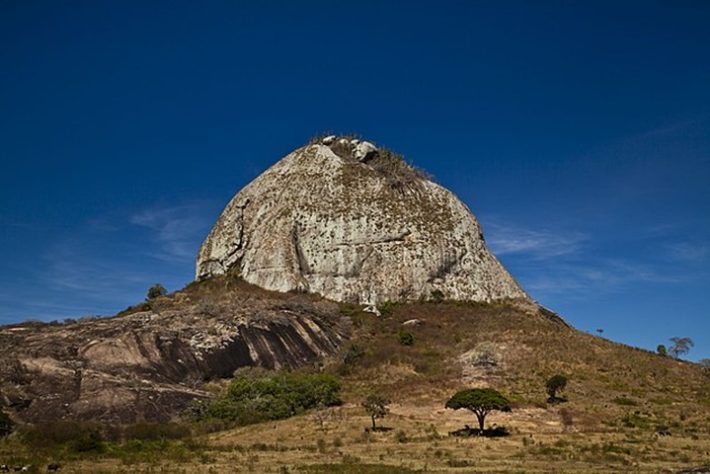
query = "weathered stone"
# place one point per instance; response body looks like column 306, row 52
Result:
column 364, row 150
column 151, row 364
column 325, row 223
column 413, row 322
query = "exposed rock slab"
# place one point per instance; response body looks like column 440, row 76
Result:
column 353, row 223
column 150, row 364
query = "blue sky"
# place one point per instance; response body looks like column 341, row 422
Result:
column 577, row 132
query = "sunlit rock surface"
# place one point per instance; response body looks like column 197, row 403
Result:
column 343, row 219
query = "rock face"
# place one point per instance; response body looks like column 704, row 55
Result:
column 353, row 223
column 150, row 364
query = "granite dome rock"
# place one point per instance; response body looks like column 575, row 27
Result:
column 354, row 223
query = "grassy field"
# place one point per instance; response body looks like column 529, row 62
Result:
column 618, row 399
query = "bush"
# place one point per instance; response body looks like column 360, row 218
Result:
column 406, row 338
column 6, row 424
column 387, row 308
column 661, row 349
column 156, row 291
column 256, row 395
column 351, row 357
column 553, row 385
column 77, row 436
column 623, row 401
column 436, row 296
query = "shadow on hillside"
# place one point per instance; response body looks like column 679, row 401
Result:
column 495, row 432
column 378, row 429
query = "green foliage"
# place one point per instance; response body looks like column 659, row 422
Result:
column 405, row 338
column 635, row 420
column 87, row 441
column 387, row 308
column 256, row 395
column 623, row 401
column 480, row 401
column 376, row 406
column 156, row 291
column 661, row 349
column 6, row 424
column 78, row 437
column 352, row 356
column 553, row 385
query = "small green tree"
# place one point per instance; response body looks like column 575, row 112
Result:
column 376, row 406
column 156, row 291
column 681, row 345
column 387, row 308
column 480, row 401
column 661, row 349
column 553, row 385
column 6, row 424
column 405, row 338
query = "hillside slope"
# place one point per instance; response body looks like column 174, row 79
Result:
column 618, row 397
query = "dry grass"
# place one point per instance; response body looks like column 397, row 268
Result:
column 618, row 397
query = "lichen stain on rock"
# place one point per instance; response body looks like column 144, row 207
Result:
column 354, row 224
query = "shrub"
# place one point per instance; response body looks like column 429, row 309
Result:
column 436, row 296
column 661, row 349
column 156, row 291
column 405, row 338
column 6, row 424
column 77, row 436
column 623, row 401
column 256, row 395
column 351, row 357
column 87, row 441
column 553, row 385
column 387, row 308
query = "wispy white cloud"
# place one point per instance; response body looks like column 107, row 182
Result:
column 178, row 229
column 109, row 261
column 688, row 251
column 585, row 278
column 532, row 243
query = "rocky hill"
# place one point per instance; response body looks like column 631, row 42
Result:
column 152, row 360
column 302, row 270
column 344, row 219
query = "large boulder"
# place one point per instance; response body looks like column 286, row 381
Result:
column 354, row 223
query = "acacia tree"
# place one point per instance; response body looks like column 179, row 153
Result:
column 681, row 345
column 480, row 401
column 553, row 385
column 376, row 406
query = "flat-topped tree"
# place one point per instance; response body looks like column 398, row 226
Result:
column 480, row 401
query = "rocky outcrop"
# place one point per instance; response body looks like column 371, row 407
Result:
column 354, row 223
column 151, row 363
